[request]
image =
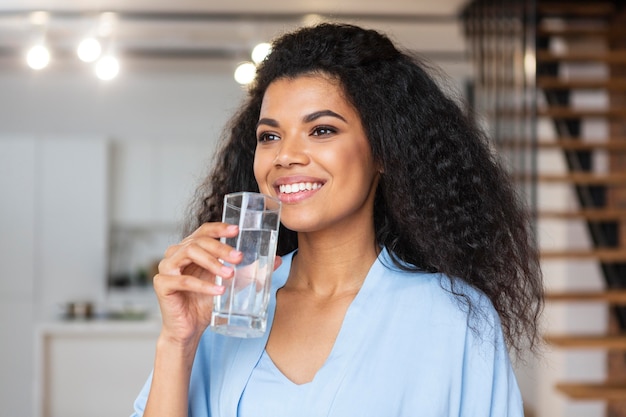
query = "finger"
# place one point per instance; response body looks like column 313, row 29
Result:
column 205, row 254
column 213, row 231
column 169, row 284
column 215, row 247
column 203, row 250
column 278, row 261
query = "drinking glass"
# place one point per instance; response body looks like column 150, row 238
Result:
column 241, row 311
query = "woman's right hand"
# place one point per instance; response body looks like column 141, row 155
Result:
column 185, row 285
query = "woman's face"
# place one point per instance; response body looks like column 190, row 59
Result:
column 312, row 153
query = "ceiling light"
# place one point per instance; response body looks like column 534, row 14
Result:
column 39, row 18
column 38, row 57
column 312, row 19
column 107, row 68
column 245, row 73
column 107, row 23
column 89, row 50
column 260, row 52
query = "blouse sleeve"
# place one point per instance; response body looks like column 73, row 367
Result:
column 489, row 386
column 198, row 386
column 140, row 403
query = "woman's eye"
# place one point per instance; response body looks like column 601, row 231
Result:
column 323, row 131
column 267, row 137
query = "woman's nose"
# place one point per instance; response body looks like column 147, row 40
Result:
column 291, row 151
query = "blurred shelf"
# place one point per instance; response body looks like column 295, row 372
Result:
column 601, row 255
column 614, row 297
column 613, row 342
column 592, row 215
column 556, row 83
column 593, row 391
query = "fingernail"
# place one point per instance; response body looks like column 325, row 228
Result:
column 234, row 253
column 219, row 289
column 226, row 271
column 231, row 228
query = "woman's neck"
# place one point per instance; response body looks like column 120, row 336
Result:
column 329, row 266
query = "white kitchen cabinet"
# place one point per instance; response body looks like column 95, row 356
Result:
column 180, row 167
column 16, row 356
column 17, row 256
column 53, row 240
column 72, row 230
column 153, row 182
column 93, row 368
column 17, row 216
column 53, row 219
column 132, row 179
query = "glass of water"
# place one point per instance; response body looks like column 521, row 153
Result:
column 242, row 310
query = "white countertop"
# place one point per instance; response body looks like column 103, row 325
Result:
column 101, row 327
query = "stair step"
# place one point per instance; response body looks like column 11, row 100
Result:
column 567, row 144
column 615, row 297
column 555, row 83
column 593, row 391
column 609, row 57
column 582, row 31
column 608, row 255
column 614, row 144
column 570, row 30
column 593, row 215
column 591, row 9
column 583, row 178
column 613, row 342
column 563, row 112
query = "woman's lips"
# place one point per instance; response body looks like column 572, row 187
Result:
column 291, row 190
column 298, row 187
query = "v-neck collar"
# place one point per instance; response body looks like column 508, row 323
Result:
column 330, row 376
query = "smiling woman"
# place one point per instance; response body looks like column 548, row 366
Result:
column 407, row 269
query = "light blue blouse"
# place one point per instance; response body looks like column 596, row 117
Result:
column 407, row 347
column 270, row 388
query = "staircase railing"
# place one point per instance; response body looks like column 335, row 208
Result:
column 502, row 47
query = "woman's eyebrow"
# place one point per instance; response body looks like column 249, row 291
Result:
column 306, row 119
column 316, row 115
column 266, row 121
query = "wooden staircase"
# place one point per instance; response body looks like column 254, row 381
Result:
column 562, row 64
column 574, row 35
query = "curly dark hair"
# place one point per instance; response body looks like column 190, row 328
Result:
column 443, row 204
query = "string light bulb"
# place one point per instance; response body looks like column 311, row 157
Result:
column 89, row 50
column 260, row 51
column 107, row 68
column 38, row 57
column 245, row 73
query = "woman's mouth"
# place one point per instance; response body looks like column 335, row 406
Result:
column 298, row 187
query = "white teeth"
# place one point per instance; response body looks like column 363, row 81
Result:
column 301, row 186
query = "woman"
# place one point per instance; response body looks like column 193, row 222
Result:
column 407, row 270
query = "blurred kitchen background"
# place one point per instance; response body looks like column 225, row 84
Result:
column 98, row 161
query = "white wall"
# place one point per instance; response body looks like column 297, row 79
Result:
column 148, row 100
